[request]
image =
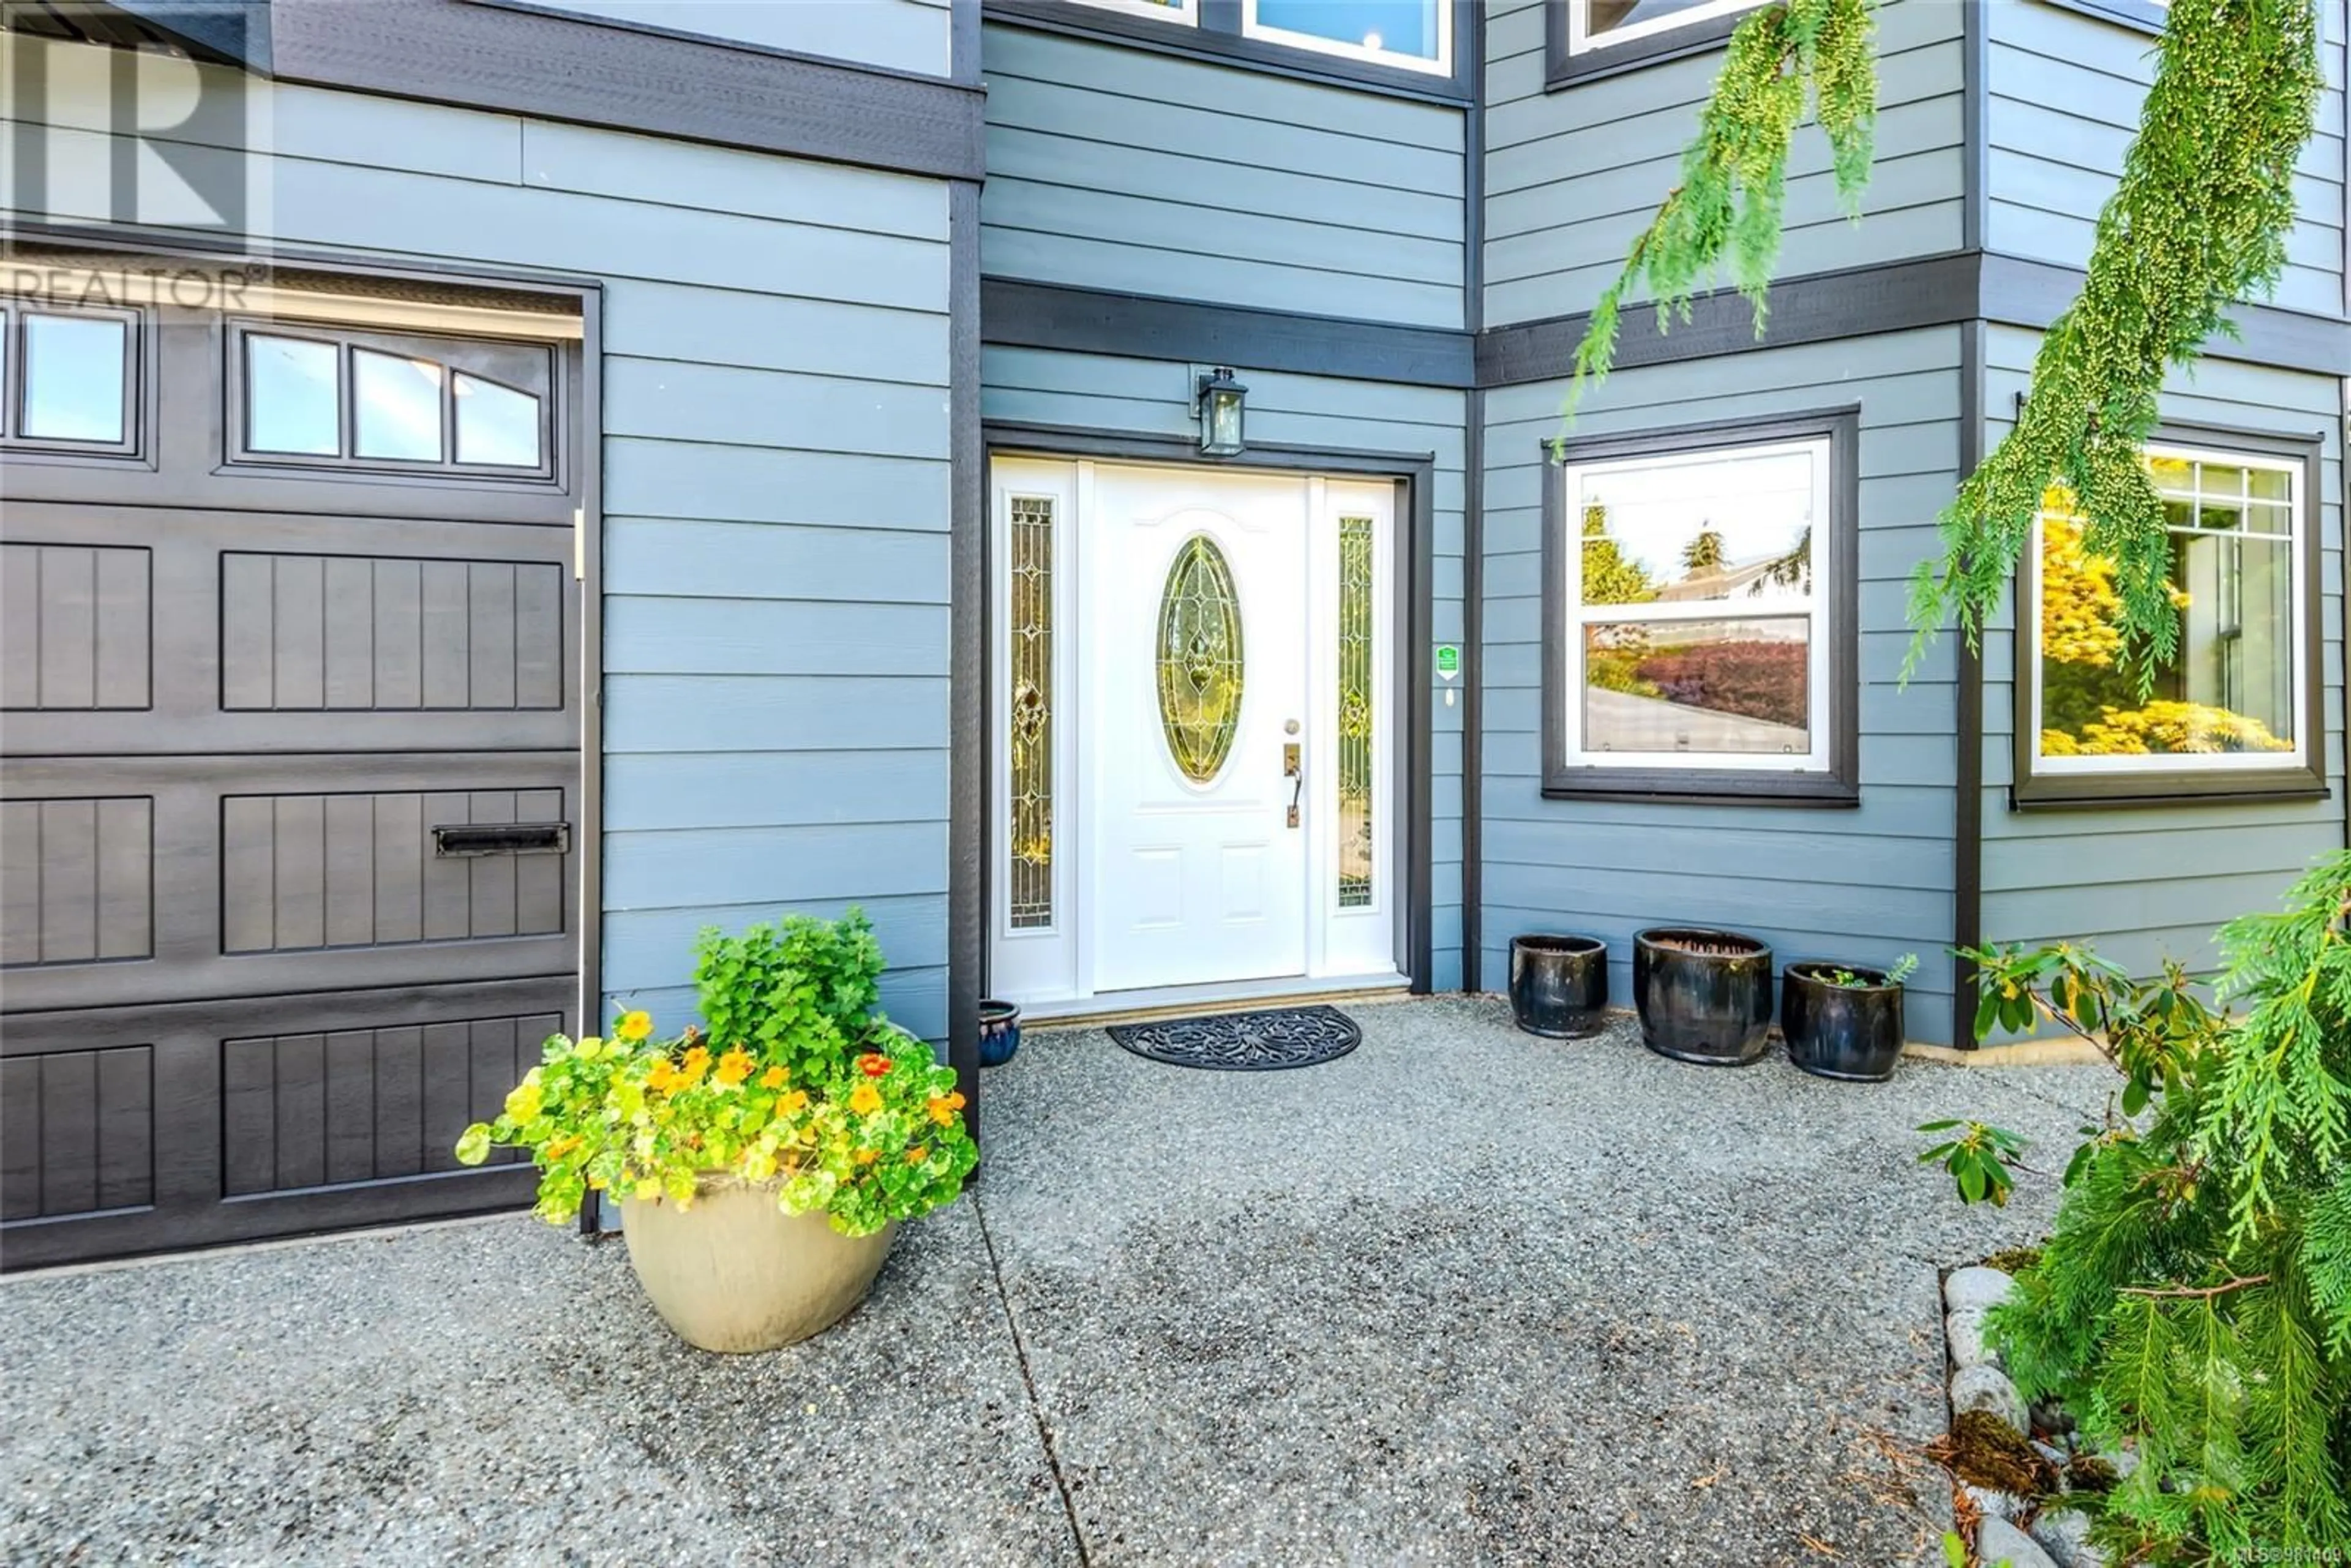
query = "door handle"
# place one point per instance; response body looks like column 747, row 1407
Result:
column 1293, row 769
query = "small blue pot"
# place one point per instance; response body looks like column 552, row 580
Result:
column 999, row 1032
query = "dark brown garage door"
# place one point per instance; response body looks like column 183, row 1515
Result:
column 290, row 761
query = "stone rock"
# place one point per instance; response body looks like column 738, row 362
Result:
column 2124, row 1462
column 2064, row 1534
column 1999, row 1542
column 2056, row 1457
column 1964, row 1332
column 2052, row 1418
column 1994, row 1504
column 1977, row 1287
column 1988, row 1388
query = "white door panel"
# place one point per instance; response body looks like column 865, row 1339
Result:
column 1201, row 871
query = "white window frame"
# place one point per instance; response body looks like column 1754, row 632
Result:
column 1183, row 14
column 1442, row 64
column 2297, row 635
column 1576, row 616
column 1582, row 40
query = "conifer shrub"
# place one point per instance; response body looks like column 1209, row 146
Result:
column 2193, row 1301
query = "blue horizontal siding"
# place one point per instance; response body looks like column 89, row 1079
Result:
column 2064, row 92
column 1124, row 169
column 1864, row 885
column 2147, row 884
column 1573, row 177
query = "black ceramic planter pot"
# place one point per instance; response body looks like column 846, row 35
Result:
column 1559, row 985
column 1842, row 1032
column 1703, row 996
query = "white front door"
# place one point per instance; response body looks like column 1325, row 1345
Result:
column 1199, row 617
column 1194, row 767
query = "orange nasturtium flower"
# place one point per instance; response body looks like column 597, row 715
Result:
column 661, row 1077
column 696, row 1063
column 917, row 1154
column 874, row 1064
column 735, row 1066
column 774, row 1077
column 865, row 1099
column 793, row 1103
column 635, row 1025
column 943, row 1108
column 867, row 1157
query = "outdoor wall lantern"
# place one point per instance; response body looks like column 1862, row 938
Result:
column 1218, row 401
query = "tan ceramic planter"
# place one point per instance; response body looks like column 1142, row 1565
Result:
column 736, row 1273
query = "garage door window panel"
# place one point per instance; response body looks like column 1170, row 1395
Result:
column 69, row 379
column 394, row 402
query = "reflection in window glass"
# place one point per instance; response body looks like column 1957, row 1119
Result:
column 1735, row 687
column 1694, row 626
column 2230, row 689
column 1410, row 28
column 74, row 377
column 497, row 425
column 398, row 403
column 1684, row 531
column 293, row 391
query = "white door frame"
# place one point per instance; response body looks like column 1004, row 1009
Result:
column 1049, row 969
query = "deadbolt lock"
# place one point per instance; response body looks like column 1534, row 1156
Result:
column 1290, row 761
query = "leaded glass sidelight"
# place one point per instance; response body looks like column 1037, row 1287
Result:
column 1354, row 713
column 1031, row 715
column 1199, row 659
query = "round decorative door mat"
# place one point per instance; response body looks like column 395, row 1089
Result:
column 1263, row 1041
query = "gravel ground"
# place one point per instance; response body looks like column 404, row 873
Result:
column 1463, row 1297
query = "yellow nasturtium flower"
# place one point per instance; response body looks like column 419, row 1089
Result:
column 635, row 1025
column 793, row 1103
column 865, row 1100
column 735, row 1066
column 774, row 1077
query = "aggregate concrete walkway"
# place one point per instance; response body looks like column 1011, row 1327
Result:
column 1463, row 1297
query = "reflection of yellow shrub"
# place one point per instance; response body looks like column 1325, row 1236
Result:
column 2163, row 727
column 2079, row 607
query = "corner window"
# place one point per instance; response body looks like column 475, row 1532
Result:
column 1402, row 35
column 1414, row 34
column 2233, row 708
column 323, row 396
column 1185, row 11
column 1586, row 39
column 1699, row 597
column 68, row 378
column 1604, row 24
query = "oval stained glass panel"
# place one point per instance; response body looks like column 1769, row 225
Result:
column 1199, row 659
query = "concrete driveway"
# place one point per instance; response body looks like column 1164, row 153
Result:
column 1462, row 1297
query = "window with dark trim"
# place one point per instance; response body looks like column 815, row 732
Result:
column 69, row 378
column 309, row 395
column 1699, row 594
column 1585, row 40
column 1416, row 48
column 2237, row 709
column 2147, row 16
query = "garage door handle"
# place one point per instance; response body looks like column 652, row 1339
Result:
column 503, row 839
